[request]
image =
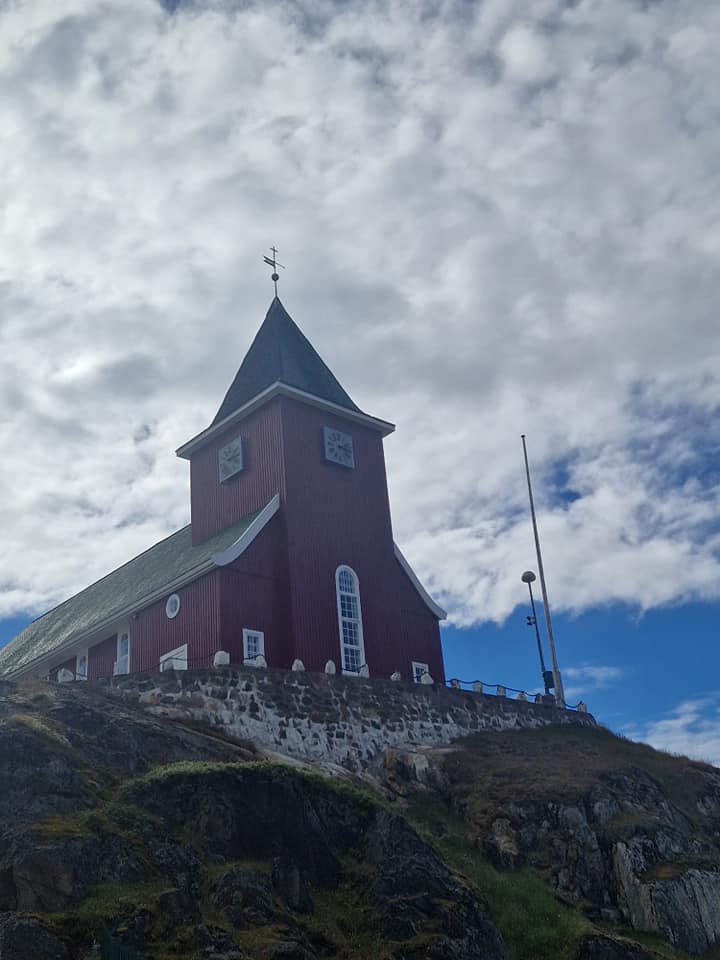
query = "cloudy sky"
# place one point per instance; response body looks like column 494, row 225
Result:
column 497, row 217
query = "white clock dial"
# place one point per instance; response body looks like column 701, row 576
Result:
column 230, row 459
column 338, row 447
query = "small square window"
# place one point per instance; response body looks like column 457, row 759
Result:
column 419, row 670
column 176, row 659
column 253, row 645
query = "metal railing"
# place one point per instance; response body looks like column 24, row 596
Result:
column 502, row 690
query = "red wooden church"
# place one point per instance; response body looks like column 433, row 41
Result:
column 289, row 555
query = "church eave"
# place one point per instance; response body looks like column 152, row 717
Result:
column 280, row 389
column 435, row 608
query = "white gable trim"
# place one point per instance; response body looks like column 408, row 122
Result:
column 437, row 610
column 102, row 630
column 280, row 389
column 224, row 557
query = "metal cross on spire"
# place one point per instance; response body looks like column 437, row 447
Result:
column 272, row 262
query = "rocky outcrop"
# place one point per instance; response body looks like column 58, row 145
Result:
column 627, row 847
column 207, row 849
column 167, row 833
column 683, row 905
column 649, row 878
column 306, row 831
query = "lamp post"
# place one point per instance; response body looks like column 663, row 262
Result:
column 529, row 578
column 557, row 679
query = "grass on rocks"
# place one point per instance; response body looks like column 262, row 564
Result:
column 533, row 923
column 489, row 770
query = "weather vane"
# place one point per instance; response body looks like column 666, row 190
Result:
column 272, row 262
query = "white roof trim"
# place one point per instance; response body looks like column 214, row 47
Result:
column 103, row 629
column 224, row 557
column 436, row 609
column 280, row 389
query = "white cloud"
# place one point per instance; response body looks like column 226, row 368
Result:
column 691, row 729
column 494, row 223
column 590, row 677
column 525, row 55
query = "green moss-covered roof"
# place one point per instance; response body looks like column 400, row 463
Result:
column 145, row 575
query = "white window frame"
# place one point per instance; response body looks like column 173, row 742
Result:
column 123, row 661
column 418, row 669
column 260, row 634
column 343, row 568
column 78, row 675
column 171, row 609
column 175, row 659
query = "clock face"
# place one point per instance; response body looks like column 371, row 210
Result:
column 338, row 447
column 230, row 459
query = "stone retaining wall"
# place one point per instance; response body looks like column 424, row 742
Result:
column 344, row 720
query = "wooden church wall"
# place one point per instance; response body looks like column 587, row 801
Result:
column 216, row 505
column 338, row 516
column 419, row 641
column 255, row 595
column 101, row 658
column 153, row 633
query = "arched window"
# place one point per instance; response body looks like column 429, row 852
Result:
column 352, row 648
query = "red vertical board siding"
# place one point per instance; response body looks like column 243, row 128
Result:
column 101, row 658
column 338, row 516
column 215, row 505
column 255, row 595
column 153, row 633
column 284, row 583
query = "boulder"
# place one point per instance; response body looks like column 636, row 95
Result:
column 291, row 882
column 244, row 896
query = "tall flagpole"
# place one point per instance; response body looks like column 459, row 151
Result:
column 557, row 679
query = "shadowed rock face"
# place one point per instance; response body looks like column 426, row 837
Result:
column 307, row 832
column 209, row 850
column 22, row 938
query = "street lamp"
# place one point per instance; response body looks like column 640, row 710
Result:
column 557, row 679
column 529, row 578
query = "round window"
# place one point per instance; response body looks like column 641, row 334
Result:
column 172, row 607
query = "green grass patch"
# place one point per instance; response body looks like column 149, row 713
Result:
column 346, row 923
column 41, row 727
column 490, row 771
column 111, row 901
column 278, row 772
column 109, row 818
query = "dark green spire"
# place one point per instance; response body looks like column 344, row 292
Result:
column 281, row 352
